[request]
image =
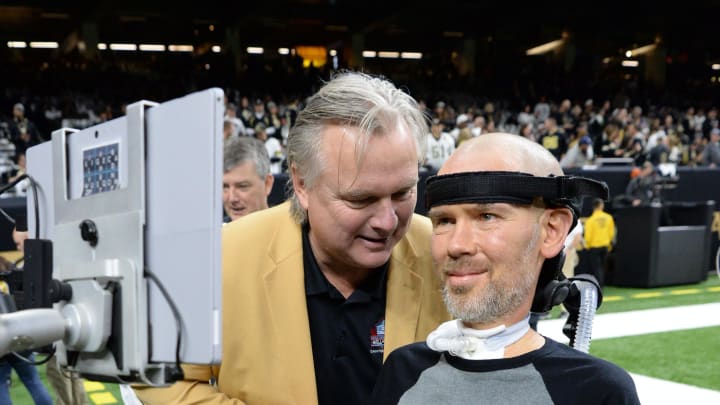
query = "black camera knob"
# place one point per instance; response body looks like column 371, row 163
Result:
column 88, row 232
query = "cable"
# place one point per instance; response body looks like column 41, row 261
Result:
column 36, row 363
column 33, row 183
column 176, row 314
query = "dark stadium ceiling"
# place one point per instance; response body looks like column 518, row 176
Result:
column 605, row 28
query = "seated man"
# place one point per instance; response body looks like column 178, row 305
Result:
column 496, row 221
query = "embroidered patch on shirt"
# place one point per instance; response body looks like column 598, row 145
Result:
column 377, row 337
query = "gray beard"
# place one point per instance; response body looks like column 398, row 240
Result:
column 500, row 297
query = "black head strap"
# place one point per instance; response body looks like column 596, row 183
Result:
column 511, row 187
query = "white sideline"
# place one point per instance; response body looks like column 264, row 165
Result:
column 652, row 391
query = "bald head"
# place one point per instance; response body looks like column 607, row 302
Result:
column 502, row 152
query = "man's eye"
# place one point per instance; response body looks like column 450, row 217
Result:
column 440, row 221
column 487, row 216
column 359, row 203
column 402, row 195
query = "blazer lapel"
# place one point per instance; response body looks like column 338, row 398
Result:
column 284, row 284
column 402, row 309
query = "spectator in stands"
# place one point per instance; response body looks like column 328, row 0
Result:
column 273, row 147
column 23, row 132
column 660, row 153
column 636, row 152
column 238, row 127
column 527, row 130
column 489, row 250
column 579, row 154
column 711, row 152
column 710, row 122
column 247, row 181
column 440, row 145
column 553, row 138
column 641, row 189
column 275, row 121
column 461, row 132
column 259, row 116
column 599, row 237
column 316, row 291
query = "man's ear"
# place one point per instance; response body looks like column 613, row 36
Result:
column 557, row 227
column 299, row 187
column 269, row 181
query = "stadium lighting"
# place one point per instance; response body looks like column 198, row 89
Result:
column 255, row 50
column 180, row 48
column 641, row 50
column 123, row 47
column 44, row 45
column 630, row 63
column 388, row 54
column 102, row 46
column 284, row 51
column 715, row 66
column 152, row 48
column 369, row 54
column 17, row 44
column 216, row 48
column 411, row 55
column 545, row 48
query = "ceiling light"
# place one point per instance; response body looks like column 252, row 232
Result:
column 389, row 54
column 17, row 44
column 545, row 48
column 411, row 55
column 255, row 50
column 641, row 50
column 123, row 47
column 630, row 63
column 180, row 48
column 152, row 48
column 44, row 45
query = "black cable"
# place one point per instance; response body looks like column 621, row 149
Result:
column 33, row 183
column 36, row 363
column 7, row 216
column 176, row 314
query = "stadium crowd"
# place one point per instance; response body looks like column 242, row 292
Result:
column 576, row 131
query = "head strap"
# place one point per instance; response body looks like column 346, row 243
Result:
column 511, row 187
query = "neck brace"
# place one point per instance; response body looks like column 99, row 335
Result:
column 475, row 344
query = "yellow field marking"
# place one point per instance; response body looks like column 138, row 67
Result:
column 714, row 289
column 685, row 292
column 91, row 386
column 610, row 298
column 101, row 398
column 647, row 295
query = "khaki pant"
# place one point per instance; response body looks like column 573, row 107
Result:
column 68, row 390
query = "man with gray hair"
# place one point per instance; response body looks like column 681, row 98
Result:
column 247, row 180
column 319, row 290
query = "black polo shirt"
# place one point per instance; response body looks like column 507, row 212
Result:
column 348, row 335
